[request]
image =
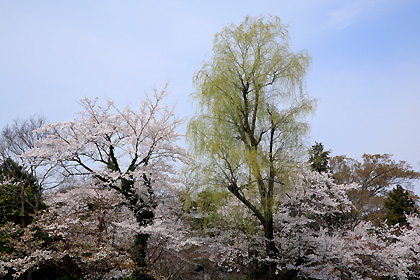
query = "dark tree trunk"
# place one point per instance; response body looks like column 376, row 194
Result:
column 143, row 211
column 142, row 208
column 139, row 257
column 139, row 254
column 29, row 277
column 271, row 250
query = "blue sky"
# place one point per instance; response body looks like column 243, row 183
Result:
column 365, row 73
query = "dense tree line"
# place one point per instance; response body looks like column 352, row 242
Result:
column 103, row 196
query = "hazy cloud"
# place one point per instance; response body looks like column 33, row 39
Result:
column 349, row 13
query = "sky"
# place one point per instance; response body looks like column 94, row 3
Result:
column 365, row 72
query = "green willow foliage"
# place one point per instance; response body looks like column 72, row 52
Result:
column 253, row 87
column 250, row 126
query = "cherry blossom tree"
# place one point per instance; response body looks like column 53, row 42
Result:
column 85, row 228
column 315, row 234
column 88, row 233
column 129, row 152
column 24, row 249
column 89, row 229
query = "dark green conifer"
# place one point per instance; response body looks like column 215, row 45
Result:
column 319, row 158
column 398, row 204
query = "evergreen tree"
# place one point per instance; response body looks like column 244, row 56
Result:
column 18, row 193
column 319, row 158
column 398, row 204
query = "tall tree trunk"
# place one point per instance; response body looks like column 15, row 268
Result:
column 144, row 215
column 271, row 249
column 139, row 256
column 142, row 208
column 22, row 206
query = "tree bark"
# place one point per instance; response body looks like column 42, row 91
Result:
column 271, row 249
column 144, row 214
column 139, row 255
column 29, row 277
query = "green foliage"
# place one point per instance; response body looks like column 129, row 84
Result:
column 398, row 204
column 19, row 197
column 252, row 103
column 252, row 71
column 204, row 205
column 8, row 233
column 319, row 158
column 248, row 134
column 19, row 241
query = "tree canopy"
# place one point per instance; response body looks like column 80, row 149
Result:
column 128, row 151
column 398, row 204
column 250, row 126
column 318, row 158
column 18, row 193
column 247, row 204
column 375, row 174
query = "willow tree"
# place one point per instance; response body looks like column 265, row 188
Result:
column 250, row 123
